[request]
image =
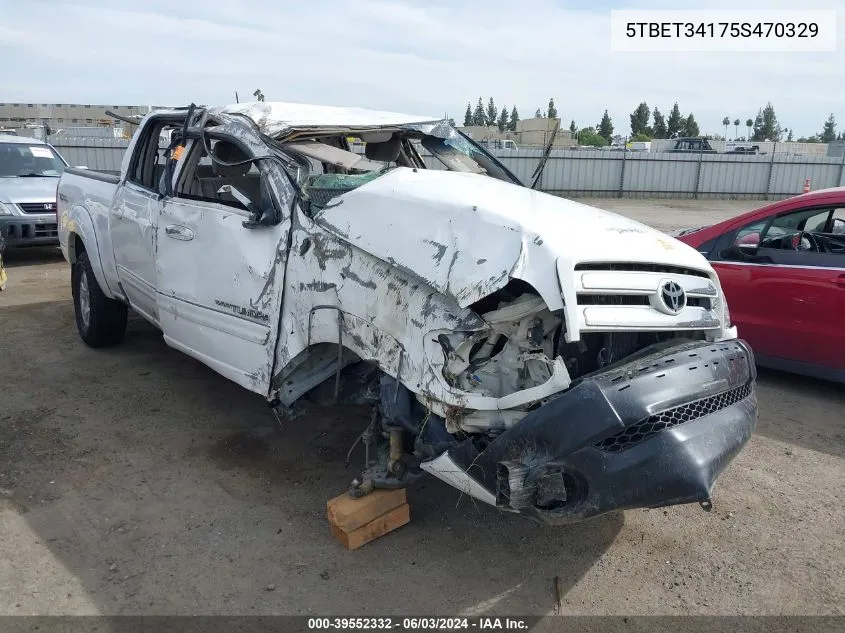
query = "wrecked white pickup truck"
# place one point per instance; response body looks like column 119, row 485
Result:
column 541, row 355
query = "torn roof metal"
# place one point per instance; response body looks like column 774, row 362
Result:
column 277, row 118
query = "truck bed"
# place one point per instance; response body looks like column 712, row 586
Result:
column 94, row 192
column 93, row 174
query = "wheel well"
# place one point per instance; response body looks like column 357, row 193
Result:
column 75, row 247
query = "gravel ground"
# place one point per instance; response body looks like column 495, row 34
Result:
column 137, row 481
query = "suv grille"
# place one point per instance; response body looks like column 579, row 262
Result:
column 644, row 429
column 637, row 267
column 37, row 207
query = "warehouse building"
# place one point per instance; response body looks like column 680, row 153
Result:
column 60, row 116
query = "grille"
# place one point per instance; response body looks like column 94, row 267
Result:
column 37, row 207
column 644, row 429
column 634, row 300
column 46, row 230
column 610, row 299
column 649, row 268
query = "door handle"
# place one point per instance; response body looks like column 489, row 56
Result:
column 839, row 281
column 179, row 232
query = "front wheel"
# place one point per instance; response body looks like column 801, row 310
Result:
column 101, row 321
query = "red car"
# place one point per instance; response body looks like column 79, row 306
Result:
column 782, row 268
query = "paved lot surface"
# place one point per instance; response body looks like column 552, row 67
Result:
column 135, row 480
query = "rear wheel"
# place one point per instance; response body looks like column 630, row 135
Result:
column 101, row 321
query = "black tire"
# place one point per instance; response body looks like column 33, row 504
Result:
column 106, row 323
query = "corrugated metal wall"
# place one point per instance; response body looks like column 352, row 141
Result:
column 599, row 173
column 101, row 154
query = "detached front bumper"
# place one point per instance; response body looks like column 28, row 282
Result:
column 29, row 231
column 651, row 432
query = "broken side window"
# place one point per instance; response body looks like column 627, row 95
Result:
column 335, row 169
column 226, row 175
column 147, row 166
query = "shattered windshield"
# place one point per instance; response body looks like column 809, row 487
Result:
column 19, row 160
column 458, row 153
column 330, row 165
column 381, row 150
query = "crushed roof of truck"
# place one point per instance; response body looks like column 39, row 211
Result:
column 275, row 118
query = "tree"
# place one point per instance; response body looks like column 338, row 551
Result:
column 674, row 122
column 552, row 113
column 639, row 119
column 766, row 127
column 829, row 131
column 589, row 136
column 451, row 121
column 690, row 127
column 572, row 127
column 259, row 96
column 538, row 114
column 641, row 137
column 492, row 113
column 468, row 116
column 726, row 122
column 606, row 126
column 736, row 128
column 503, row 119
column 478, row 117
column 789, row 137
column 757, row 134
column 514, row 120
column 659, row 128
column 748, row 123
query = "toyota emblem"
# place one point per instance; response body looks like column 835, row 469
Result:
column 672, row 297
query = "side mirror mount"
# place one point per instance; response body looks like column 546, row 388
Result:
column 743, row 248
column 255, row 215
column 748, row 249
column 238, row 195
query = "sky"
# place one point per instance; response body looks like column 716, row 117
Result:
column 427, row 57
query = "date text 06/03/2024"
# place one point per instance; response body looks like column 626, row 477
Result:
column 419, row 624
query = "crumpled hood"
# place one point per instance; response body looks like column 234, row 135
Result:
column 467, row 234
column 31, row 189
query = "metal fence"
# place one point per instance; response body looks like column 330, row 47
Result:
column 101, row 154
column 602, row 174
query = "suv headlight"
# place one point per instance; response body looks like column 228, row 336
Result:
column 5, row 209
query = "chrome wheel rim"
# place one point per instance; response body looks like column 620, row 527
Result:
column 84, row 300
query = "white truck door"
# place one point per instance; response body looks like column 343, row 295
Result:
column 133, row 218
column 220, row 282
